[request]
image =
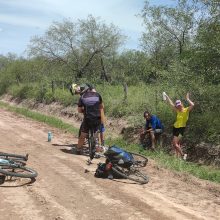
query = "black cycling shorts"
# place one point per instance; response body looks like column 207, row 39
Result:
column 88, row 123
column 178, row 131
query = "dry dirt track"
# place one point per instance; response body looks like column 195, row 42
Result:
column 64, row 191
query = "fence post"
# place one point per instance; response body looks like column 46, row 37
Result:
column 52, row 86
column 125, row 91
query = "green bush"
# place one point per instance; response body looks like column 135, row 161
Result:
column 203, row 122
column 3, row 87
column 21, row 91
column 64, row 97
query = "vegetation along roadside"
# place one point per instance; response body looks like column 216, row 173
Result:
column 163, row 159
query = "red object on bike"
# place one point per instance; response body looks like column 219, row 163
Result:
column 108, row 166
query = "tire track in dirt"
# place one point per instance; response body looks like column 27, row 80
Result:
column 96, row 196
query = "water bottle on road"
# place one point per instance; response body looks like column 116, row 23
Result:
column 50, row 135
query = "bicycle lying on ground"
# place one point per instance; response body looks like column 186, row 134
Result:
column 13, row 165
column 123, row 164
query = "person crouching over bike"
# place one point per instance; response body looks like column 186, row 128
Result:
column 90, row 104
column 153, row 127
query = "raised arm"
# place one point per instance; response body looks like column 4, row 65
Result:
column 191, row 104
column 170, row 102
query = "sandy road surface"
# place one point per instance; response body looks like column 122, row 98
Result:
column 64, row 191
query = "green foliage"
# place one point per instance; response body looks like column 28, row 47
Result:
column 3, row 87
column 20, row 91
column 64, row 97
column 203, row 122
column 204, row 127
column 52, row 121
column 77, row 45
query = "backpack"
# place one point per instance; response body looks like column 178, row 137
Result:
column 101, row 171
column 118, row 156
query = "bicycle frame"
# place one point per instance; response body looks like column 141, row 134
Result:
column 11, row 168
column 11, row 163
column 5, row 162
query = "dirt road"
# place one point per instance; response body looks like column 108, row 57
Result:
column 64, row 191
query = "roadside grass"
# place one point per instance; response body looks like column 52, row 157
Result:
column 203, row 126
column 50, row 120
column 162, row 158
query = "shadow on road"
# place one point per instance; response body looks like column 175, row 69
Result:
column 65, row 145
column 72, row 150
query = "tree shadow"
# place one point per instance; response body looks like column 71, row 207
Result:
column 65, row 145
column 72, row 150
column 116, row 178
column 121, row 180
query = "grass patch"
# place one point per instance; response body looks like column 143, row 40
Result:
column 165, row 160
column 52, row 121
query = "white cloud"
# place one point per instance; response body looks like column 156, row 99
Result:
column 120, row 12
column 32, row 17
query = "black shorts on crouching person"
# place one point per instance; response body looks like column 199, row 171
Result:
column 88, row 124
column 178, row 131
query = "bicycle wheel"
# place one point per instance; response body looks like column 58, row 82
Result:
column 18, row 171
column 139, row 160
column 15, row 157
column 91, row 141
column 132, row 174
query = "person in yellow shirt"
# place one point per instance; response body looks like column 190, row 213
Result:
column 180, row 123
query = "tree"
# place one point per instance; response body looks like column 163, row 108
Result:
column 169, row 28
column 76, row 45
column 131, row 67
column 205, row 55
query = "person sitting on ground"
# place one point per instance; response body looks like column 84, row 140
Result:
column 90, row 104
column 153, row 126
column 180, row 123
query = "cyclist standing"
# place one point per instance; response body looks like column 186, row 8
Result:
column 90, row 104
column 180, row 123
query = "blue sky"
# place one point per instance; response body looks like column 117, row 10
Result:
column 22, row 19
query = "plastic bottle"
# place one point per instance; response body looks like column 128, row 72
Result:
column 164, row 96
column 49, row 136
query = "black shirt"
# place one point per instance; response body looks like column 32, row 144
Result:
column 91, row 101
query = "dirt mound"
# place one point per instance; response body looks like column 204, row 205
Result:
column 205, row 153
column 202, row 153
